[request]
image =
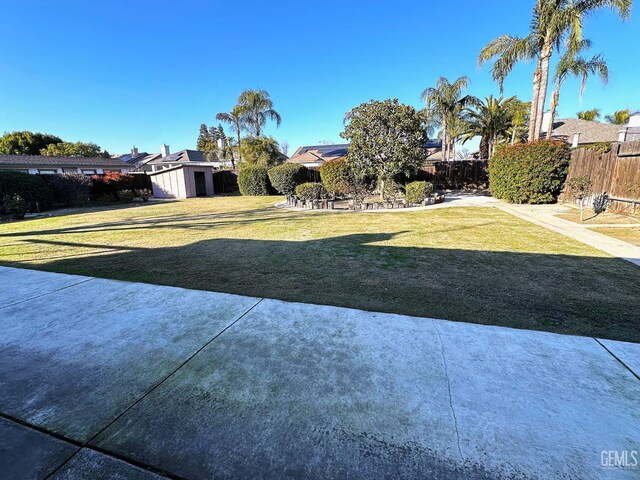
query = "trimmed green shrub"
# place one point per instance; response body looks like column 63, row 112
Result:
column 126, row 196
column 416, row 192
column 69, row 189
column 31, row 188
column 15, row 205
column 253, row 180
column 335, row 177
column 286, row 177
column 529, row 172
column 311, row 191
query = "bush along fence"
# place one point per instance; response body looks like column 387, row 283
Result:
column 615, row 173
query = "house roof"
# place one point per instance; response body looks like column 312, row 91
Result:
column 26, row 161
column 590, row 132
column 180, row 157
column 326, row 153
column 318, row 153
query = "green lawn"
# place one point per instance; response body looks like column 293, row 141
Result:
column 472, row 264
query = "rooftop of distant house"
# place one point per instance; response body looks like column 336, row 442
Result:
column 318, row 154
column 37, row 161
column 590, row 131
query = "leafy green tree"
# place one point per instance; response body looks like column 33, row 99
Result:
column 257, row 107
column 77, row 149
column 261, row 151
column 590, row 115
column 386, row 139
column 234, row 118
column 445, row 105
column 553, row 21
column 572, row 64
column 25, row 142
column 619, row 117
column 490, row 120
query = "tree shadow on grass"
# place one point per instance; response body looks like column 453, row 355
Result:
column 593, row 296
column 172, row 221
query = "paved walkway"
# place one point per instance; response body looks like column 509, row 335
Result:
column 108, row 379
column 544, row 215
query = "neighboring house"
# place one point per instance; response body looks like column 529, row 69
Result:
column 138, row 160
column 631, row 132
column 578, row 132
column 314, row 156
column 184, row 157
column 50, row 165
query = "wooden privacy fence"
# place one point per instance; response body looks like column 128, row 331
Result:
column 141, row 180
column 616, row 173
column 458, row 174
column 225, row 181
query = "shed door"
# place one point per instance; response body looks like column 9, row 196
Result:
column 201, row 184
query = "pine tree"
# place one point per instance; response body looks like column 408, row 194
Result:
column 204, row 140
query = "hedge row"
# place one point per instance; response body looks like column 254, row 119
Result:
column 529, row 172
column 31, row 188
column 254, row 180
column 283, row 179
column 42, row 192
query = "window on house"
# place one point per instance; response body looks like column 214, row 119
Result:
column 46, row 172
column 89, row 172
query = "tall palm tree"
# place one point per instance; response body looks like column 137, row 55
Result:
column 491, row 121
column 571, row 64
column 552, row 22
column 257, row 108
column 619, row 117
column 590, row 115
column 444, row 106
column 236, row 119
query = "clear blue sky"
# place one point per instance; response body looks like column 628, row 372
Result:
column 123, row 73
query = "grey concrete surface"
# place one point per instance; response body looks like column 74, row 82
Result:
column 92, row 465
column 628, row 353
column 27, row 454
column 74, row 360
column 296, row 390
column 26, row 284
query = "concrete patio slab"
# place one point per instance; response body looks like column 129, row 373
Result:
column 628, row 353
column 91, row 465
column 28, row 454
column 546, row 403
column 298, row 391
column 26, row 284
column 73, row 361
column 305, row 391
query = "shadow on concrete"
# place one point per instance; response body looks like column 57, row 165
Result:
column 593, row 296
